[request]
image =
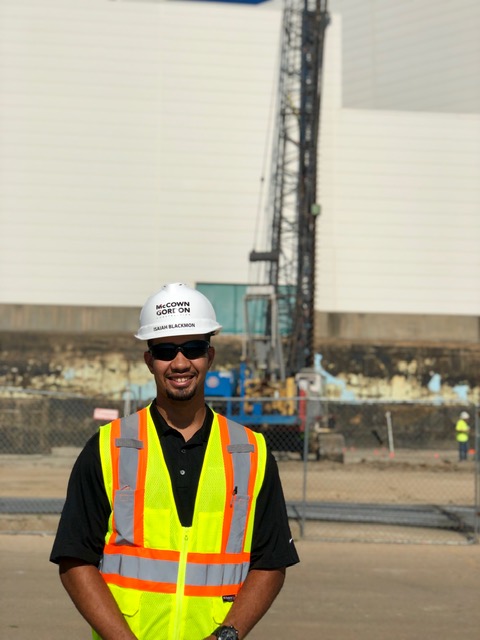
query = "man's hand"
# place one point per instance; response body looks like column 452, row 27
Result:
column 92, row 597
column 254, row 599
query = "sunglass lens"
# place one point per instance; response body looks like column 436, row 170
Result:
column 163, row 352
column 192, row 352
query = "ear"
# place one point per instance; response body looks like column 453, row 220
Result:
column 211, row 355
column 147, row 356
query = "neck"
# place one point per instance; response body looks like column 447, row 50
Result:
column 182, row 416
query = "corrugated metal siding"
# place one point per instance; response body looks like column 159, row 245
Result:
column 133, row 145
column 400, row 225
column 420, row 55
column 133, row 141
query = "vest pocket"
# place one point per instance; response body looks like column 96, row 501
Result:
column 220, row 608
column 128, row 601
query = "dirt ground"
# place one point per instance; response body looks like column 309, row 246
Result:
column 367, row 476
column 412, row 477
column 340, row 591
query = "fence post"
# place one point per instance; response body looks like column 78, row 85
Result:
column 127, row 401
column 306, row 438
column 476, row 507
column 391, row 446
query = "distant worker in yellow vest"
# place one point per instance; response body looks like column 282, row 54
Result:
column 175, row 525
column 462, row 429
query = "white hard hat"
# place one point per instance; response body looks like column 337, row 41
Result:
column 177, row 310
column 464, row 415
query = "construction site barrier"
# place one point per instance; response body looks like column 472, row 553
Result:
column 351, row 471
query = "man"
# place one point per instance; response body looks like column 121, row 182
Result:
column 462, row 429
column 174, row 526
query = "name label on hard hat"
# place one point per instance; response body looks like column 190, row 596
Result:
column 185, row 325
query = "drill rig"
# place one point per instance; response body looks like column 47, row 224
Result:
column 278, row 349
column 279, row 314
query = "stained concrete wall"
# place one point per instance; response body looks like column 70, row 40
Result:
column 108, row 364
column 402, row 371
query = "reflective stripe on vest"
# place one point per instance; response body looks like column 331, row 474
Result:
column 129, row 456
column 127, row 563
column 151, row 574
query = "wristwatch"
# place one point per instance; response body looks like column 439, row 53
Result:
column 226, row 632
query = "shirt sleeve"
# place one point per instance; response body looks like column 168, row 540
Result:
column 84, row 520
column 272, row 541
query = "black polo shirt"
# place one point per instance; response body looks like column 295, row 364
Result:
column 84, row 520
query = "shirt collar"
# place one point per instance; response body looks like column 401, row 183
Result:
column 164, row 429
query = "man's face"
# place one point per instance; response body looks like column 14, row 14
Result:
column 181, row 378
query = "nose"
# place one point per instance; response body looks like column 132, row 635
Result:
column 180, row 359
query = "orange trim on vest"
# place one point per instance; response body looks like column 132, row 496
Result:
column 171, row 587
column 218, row 558
column 138, row 526
column 212, row 592
column 229, row 494
column 140, row 585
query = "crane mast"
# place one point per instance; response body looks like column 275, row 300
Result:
column 287, row 337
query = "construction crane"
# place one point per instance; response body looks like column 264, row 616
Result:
column 277, row 389
column 283, row 343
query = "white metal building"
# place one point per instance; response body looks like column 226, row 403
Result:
column 134, row 142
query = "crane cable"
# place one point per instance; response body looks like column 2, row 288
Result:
column 254, row 272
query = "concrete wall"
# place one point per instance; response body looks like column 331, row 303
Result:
column 106, row 365
column 343, row 326
column 397, row 327
column 68, row 319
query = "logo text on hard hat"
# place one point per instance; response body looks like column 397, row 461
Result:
column 182, row 306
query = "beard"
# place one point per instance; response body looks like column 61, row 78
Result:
column 181, row 395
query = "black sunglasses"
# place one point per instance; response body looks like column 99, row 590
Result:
column 192, row 350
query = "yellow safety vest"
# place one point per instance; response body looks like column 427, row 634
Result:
column 462, row 430
column 173, row 582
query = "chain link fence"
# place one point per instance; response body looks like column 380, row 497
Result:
column 371, row 471
column 400, row 479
